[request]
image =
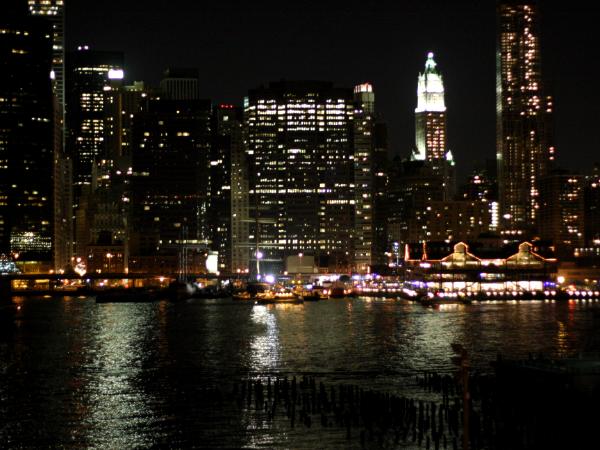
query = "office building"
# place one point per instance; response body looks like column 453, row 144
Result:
column 241, row 248
column 561, row 213
column 301, row 171
column 227, row 139
column 364, row 124
column 171, row 142
column 93, row 111
column 414, row 186
column 53, row 12
column 524, row 150
column 27, row 141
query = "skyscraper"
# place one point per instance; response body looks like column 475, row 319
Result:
column 53, row 12
column 430, row 114
column 226, row 136
column 430, row 125
column 26, row 141
column 93, row 111
column 170, row 184
column 523, row 151
column 301, row 172
column 364, row 123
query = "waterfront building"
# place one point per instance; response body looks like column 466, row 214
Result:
column 370, row 181
column 27, row 141
column 562, row 211
column 241, row 248
column 497, row 276
column 52, row 12
column 227, row 139
column 170, row 183
column 524, row 149
column 364, row 146
column 301, row 173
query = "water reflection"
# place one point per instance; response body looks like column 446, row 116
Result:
column 265, row 349
column 119, row 409
column 74, row 373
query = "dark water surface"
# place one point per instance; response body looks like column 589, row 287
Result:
column 74, row 373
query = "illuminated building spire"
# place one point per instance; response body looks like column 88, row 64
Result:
column 430, row 117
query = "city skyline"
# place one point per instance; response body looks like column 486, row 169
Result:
column 394, row 41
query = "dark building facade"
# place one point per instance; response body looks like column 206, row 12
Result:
column 171, row 143
column 524, row 150
column 414, row 185
column 227, row 138
column 26, row 140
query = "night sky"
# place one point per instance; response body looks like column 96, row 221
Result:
column 240, row 45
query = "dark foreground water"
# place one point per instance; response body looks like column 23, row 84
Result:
column 74, row 373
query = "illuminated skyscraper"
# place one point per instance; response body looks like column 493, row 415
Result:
column 430, row 125
column 364, row 122
column 301, row 172
column 370, row 155
column 93, row 111
column 523, row 150
column 430, row 114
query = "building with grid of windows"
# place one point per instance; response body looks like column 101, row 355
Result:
column 301, row 173
column 524, row 151
column 93, row 111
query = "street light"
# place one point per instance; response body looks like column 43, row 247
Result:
column 109, row 257
column 259, row 256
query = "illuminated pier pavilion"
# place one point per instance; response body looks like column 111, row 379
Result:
column 462, row 271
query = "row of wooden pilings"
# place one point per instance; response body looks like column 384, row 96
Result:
column 377, row 419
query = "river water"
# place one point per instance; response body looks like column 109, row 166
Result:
column 76, row 374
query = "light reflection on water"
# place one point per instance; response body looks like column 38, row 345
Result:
column 75, row 373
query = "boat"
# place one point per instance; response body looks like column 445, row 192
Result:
column 252, row 291
column 340, row 290
column 271, row 297
column 312, row 295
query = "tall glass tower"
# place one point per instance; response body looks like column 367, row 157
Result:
column 523, row 151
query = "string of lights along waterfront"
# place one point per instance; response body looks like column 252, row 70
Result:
column 296, row 176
